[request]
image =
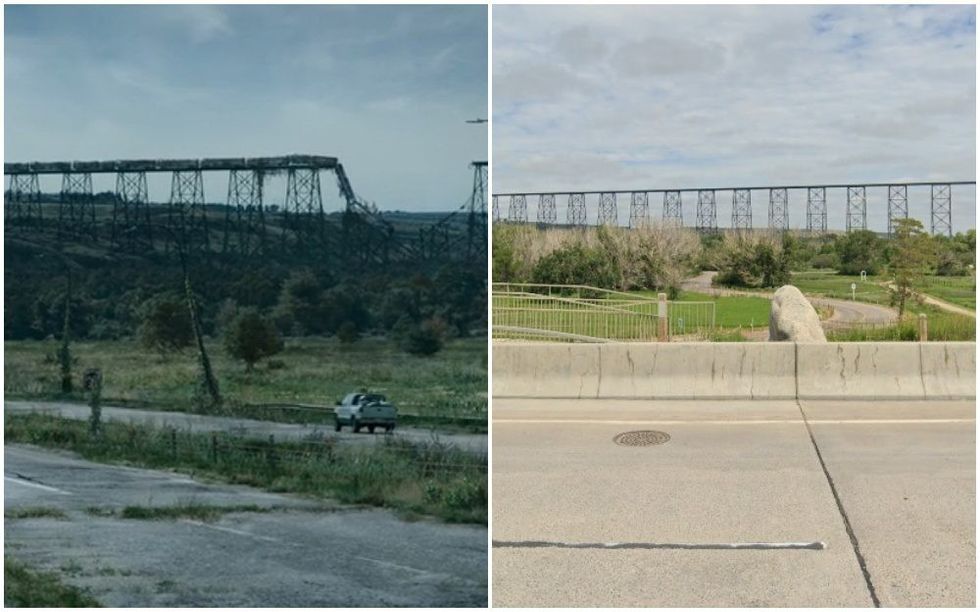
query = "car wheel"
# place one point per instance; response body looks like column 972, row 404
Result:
column 389, row 428
column 370, row 428
column 355, row 425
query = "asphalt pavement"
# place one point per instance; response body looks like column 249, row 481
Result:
column 249, row 428
column 749, row 503
column 300, row 553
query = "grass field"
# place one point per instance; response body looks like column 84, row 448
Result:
column 426, row 479
column 734, row 311
column 959, row 290
column 834, row 285
column 452, row 383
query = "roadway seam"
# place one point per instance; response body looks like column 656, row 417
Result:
column 855, row 546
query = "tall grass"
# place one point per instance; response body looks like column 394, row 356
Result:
column 431, row 478
column 24, row 587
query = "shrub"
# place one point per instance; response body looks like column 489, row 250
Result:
column 859, row 251
column 824, row 261
column 575, row 264
column 166, row 324
column 426, row 338
column 250, row 337
column 347, row 332
column 752, row 261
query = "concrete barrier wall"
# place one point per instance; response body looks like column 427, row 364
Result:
column 859, row 370
column 749, row 370
column 949, row 369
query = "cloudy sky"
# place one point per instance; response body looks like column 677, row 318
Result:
column 385, row 89
column 660, row 96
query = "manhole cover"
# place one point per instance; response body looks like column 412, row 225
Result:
column 641, row 438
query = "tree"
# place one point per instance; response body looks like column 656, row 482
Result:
column 859, row 250
column 166, row 325
column 913, row 254
column 250, row 337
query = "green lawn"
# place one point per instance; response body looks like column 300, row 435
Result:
column 734, row 311
column 605, row 319
column 452, row 383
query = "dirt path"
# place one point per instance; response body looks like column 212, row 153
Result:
column 941, row 304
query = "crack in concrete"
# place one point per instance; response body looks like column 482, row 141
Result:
column 855, row 546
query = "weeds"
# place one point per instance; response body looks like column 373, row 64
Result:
column 431, row 478
column 200, row 512
column 27, row 588
column 34, row 512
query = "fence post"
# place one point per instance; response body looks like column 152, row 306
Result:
column 272, row 452
column 214, row 448
column 661, row 317
column 923, row 327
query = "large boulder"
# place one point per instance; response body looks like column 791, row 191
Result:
column 792, row 318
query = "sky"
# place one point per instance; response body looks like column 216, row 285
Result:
column 640, row 97
column 386, row 89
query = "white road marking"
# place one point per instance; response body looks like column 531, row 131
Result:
column 726, row 422
column 28, row 483
column 398, row 566
column 665, row 545
column 230, row 530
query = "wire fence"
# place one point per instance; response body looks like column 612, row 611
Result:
column 578, row 313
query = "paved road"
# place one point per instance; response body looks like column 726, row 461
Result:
column 846, row 312
column 300, row 554
column 476, row 443
column 734, row 472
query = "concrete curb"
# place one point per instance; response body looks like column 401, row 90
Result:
column 743, row 370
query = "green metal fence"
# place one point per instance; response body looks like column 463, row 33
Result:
column 577, row 313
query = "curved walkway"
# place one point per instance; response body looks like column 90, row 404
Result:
column 846, row 312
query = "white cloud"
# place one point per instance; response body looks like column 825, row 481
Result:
column 202, row 22
column 672, row 96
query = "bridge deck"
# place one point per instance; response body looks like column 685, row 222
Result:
column 170, row 165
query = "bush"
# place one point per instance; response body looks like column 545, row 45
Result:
column 575, row 264
column 347, row 332
column 166, row 324
column 859, row 251
column 752, row 261
column 824, row 261
column 426, row 338
column 250, row 337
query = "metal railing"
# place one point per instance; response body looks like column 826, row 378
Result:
column 579, row 313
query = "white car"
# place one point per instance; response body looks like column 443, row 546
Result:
column 365, row 410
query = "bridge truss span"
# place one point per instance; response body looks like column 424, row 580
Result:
column 781, row 199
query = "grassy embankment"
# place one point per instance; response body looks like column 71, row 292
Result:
column 445, row 390
column 422, row 479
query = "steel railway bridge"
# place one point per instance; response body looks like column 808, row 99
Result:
column 705, row 199
column 130, row 222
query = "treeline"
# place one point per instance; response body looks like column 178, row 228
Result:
column 660, row 257
column 116, row 298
